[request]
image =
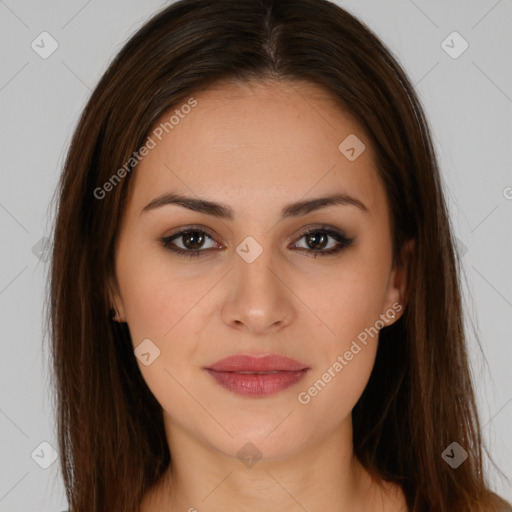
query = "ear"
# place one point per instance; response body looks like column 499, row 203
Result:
column 396, row 294
column 114, row 298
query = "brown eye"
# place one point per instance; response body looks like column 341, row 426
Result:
column 192, row 242
column 317, row 241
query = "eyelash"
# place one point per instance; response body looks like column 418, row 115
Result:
column 343, row 241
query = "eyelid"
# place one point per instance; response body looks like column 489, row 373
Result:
column 300, row 233
column 304, row 230
column 193, row 227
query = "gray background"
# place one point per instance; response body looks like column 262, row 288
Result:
column 468, row 101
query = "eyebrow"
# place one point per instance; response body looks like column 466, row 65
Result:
column 226, row 212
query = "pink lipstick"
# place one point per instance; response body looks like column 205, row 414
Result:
column 257, row 375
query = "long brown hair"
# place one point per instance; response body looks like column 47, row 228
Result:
column 110, row 427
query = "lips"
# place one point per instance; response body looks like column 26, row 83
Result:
column 257, row 375
column 248, row 363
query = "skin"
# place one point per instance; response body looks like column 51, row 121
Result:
column 257, row 148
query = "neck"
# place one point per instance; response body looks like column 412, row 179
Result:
column 323, row 476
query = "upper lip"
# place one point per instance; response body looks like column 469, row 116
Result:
column 250, row 363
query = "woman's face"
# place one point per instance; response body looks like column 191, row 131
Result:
column 266, row 153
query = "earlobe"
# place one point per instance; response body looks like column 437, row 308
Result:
column 396, row 299
column 116, row 309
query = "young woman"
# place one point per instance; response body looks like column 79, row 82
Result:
column 254, row 292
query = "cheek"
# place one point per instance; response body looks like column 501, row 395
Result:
column 344, row 362
column 156, row 296
column 334, row 390
column 161, row 305
column 348, row 306
column 169, row 318
column 161, row 309
column 349, row 300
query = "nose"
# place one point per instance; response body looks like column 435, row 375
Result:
column 258, row 298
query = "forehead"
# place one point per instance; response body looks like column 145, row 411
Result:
column 251, row 143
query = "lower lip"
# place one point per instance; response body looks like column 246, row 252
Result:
column 257, row 384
